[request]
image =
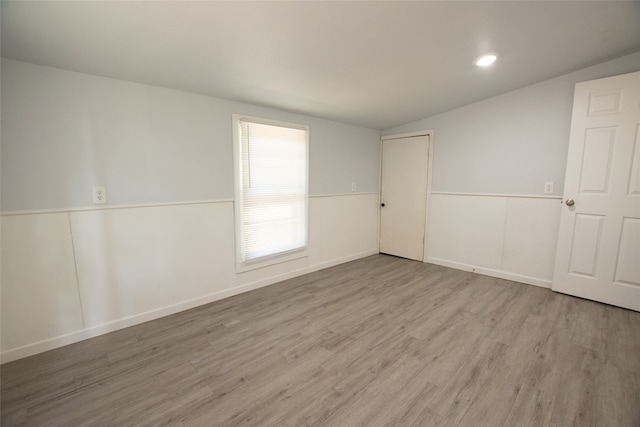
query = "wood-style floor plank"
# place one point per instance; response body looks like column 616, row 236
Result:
column 381, row 341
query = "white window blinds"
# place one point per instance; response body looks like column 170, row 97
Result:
column 273, row 187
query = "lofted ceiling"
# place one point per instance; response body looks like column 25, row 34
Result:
column 374, row 64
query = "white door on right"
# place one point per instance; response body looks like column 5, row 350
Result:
column 598, row 252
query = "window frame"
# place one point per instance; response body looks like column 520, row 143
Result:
column 243, row 265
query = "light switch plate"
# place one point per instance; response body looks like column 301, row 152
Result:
column 99, row 195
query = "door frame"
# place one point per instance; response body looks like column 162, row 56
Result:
column 430, row 134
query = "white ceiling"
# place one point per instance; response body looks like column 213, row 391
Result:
column 374, row 64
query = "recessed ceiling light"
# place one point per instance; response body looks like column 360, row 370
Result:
column 486, row 60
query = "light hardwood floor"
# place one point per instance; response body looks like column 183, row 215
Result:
column 381, row 341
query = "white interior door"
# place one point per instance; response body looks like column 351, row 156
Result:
column 404, row 196
column 598, row 253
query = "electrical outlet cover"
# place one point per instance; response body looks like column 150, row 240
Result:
column 548, row 187
column 99, row 195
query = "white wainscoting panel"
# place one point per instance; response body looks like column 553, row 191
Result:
column 68, row 276
column 349, row 226
column 39, row 288
column 531, row 235
column 135, row 260
column 315, row 230
column 467, row 229
column 511, row 237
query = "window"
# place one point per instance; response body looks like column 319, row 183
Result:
column 271, row 179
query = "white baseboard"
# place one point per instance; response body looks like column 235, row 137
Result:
column 73, row 337
column 543, row 283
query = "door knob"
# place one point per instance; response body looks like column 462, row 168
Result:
column 570, row 202
column 382, row 204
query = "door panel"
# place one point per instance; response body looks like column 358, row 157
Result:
column 634, row 182
column 598, row 252
column 404, row 195
column 628, row 265
column 596, row 160
column 586, row 242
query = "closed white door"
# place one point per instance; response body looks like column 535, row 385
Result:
column 404, row 196
column 598, row 253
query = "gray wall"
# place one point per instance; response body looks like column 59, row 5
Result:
column 64, row 132
column 512, row 143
